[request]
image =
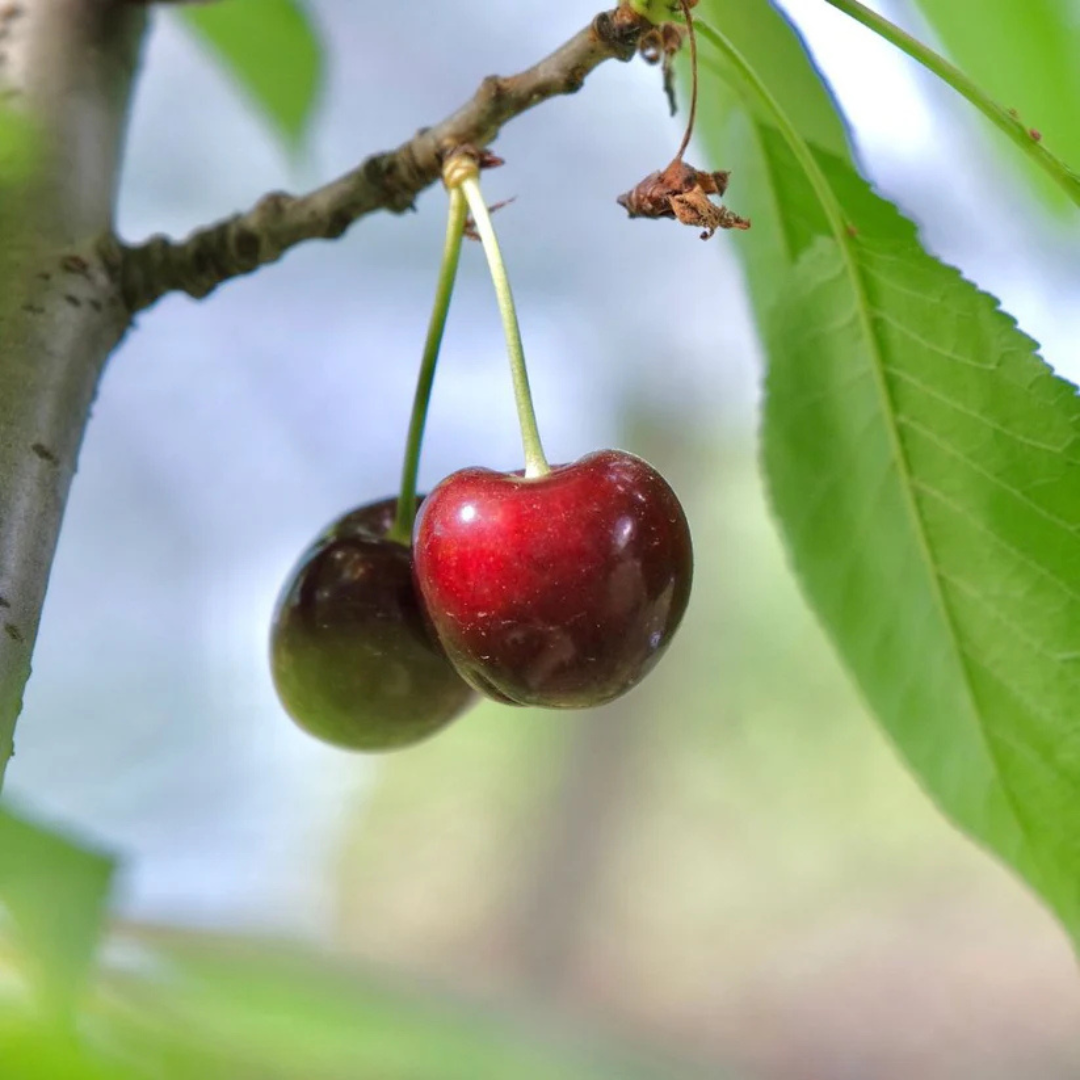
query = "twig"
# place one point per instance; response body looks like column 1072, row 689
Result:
column 386, row 181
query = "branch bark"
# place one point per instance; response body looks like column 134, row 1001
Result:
column 67, row 65
column 386, row 181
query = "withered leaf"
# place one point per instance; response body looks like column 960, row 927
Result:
column 682, row 192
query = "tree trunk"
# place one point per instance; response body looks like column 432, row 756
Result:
column 67, row 66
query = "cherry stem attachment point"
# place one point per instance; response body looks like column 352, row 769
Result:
column 401, row 530
column 536, row 463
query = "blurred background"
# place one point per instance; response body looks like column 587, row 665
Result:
column 725, row 874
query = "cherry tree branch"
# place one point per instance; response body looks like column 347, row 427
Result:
column 385, row 181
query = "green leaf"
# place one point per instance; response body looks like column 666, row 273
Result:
column 271, row 48
column 31, row 1051
column 925, row 466
column 55, row 892
column 776, row 51
column 766, row 184
column 238, row 1008
column 1025, row 53
column 770, row 187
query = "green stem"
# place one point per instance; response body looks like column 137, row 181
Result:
column 999, row 116
column 536, row 464
column 401, row 530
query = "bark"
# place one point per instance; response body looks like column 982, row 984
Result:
column 386, row 181
column 67, row 65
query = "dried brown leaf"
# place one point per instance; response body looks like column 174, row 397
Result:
column 682, row 192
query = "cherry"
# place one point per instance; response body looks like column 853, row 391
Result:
column 353, row 660
column 562, row 589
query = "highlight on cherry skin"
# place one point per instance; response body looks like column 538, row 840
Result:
column 353, row 660
column 561, row 591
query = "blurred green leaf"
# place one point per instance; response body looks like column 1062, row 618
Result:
column 34, row 1052
column 18, row 159
column 17, row 148
column 1025, row 53
column 271, row 48
column 234, row 1008
column 55, row 891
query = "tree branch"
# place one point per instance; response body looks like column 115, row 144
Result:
column 386, row 181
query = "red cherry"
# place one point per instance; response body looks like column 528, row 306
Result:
column 562, row 590
column 353, row 660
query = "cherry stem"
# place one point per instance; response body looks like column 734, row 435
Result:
column 536, row 463
column 401, row 530
column 693, row 80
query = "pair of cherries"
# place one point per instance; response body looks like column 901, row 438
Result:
column 561, row 590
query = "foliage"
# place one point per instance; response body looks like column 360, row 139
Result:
column 55, row 892
column 272, row 50
column 923, row 467
column 220, row 1008
column 1024, row 53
